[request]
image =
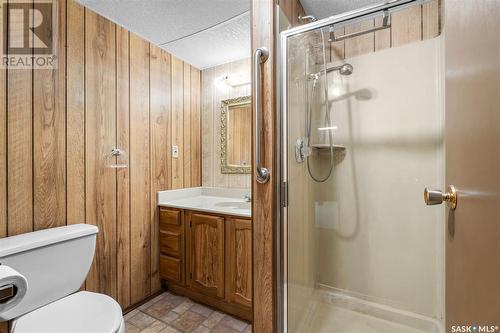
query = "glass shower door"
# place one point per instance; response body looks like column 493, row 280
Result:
column 362, row 116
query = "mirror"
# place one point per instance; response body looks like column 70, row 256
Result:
column 236, row 135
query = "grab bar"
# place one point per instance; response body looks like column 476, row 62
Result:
column 386, row 24
column 260, row 56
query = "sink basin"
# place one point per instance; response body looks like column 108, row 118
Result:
column 234, row 205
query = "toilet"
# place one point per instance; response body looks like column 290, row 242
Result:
column 55, row 262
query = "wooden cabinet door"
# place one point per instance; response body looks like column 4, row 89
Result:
column 206, row 254
column 239, row 261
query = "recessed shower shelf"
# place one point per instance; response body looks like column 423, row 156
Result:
column 326, row 147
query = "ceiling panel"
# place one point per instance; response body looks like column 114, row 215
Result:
column 326, row 8
column 162, row 21
column 221, row 44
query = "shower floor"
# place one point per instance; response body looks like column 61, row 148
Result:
column 328, row 318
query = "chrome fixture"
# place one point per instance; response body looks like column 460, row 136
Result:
column 309, row 18
column 301, row 151
column 436, row 197
column 386, row 24
column 247, row 197
column 261, row 55
column 303, row 148
column 344, row 69
column 116, row 155
column 116, row 152
column 7, row 292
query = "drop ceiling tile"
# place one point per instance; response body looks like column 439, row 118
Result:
column 224, row 43
column 161, row 21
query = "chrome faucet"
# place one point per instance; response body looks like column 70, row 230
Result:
column 247, row 197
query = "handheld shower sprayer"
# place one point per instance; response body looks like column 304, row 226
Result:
column 344, row 69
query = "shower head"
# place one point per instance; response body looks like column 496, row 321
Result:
column 346, row 69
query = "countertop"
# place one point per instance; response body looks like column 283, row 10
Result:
column 225, row 201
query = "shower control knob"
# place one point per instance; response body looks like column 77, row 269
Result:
column 436, row 197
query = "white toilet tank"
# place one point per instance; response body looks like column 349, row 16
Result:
column 54, row 261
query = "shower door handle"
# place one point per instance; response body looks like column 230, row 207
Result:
column 260, row 56
column 436, row 197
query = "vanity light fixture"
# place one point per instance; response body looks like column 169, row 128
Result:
column 234, row 80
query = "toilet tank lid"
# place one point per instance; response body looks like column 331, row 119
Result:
column 37, row 239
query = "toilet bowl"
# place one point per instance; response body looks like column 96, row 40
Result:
column 55, row 263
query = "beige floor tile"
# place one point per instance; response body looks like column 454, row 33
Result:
column 175, row 299
column 183, row 307
column 131, row 314
column 160, row 309
column 141, row 320
column 129, row 328
column 188, row 322
column 214, row 319
column 168, row 329
column 223, row 329
column 169, row 317
column 234, row 323
column 202, row 329
column 202, row 310
column 155, row 327
column 151, row 302
column 170, row 313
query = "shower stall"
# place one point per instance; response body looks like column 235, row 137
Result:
column 361, row 127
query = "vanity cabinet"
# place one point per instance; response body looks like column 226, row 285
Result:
column 172, row 249
column 208, row 257
column 206, row 253
column 239, row 261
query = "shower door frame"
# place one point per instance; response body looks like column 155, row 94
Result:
column 282, row 134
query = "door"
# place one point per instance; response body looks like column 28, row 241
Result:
column 362, row 123
column 206, row 253
column 239, row 263
column 370, row 119
column 473, row 163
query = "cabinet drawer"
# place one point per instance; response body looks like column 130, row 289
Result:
column 171, row 243
column 169, row 217
column 171, row 269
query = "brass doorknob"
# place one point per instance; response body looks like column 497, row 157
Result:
column 436, row 197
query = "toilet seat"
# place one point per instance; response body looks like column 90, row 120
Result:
column 84, row 312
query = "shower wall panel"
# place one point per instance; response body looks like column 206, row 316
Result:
column 376, row 238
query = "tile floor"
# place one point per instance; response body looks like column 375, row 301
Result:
column 170, row 313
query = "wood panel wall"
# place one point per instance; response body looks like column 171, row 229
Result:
column 292, row 9
column 57, row 128
column 264, row 195
column 212, row 96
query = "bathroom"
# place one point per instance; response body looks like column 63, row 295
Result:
column 249, row 166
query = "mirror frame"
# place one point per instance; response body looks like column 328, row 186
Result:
column 225, row 105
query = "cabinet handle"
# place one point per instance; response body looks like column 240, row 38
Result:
column 260, row 56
